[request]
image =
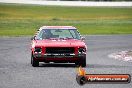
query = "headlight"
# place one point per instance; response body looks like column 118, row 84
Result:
column 81, row 50
column 38, row 49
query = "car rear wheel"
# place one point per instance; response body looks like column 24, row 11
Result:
column 34, row 62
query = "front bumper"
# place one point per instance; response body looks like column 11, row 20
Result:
column 39, row 55
column 59, row 58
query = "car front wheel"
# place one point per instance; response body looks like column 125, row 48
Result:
column 34, row 62
column 81, row 62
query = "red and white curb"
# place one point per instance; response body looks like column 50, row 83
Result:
column 123, row 55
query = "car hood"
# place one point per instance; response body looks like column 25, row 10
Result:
column 59, row 43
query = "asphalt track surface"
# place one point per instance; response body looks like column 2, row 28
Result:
column 17, row 72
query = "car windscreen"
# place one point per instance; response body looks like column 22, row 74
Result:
column 59, row 33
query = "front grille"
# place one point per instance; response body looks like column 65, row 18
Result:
column 59, row 50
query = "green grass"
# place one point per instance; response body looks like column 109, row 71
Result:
column 17, row 20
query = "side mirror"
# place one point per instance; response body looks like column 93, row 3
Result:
column 82, row 38
column 33, row 38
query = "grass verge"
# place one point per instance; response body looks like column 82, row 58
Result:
column 17, row 19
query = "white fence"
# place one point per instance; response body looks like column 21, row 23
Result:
column 69, row 3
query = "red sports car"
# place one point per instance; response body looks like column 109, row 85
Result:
column 58, row 44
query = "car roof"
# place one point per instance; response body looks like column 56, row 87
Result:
column 57, row 27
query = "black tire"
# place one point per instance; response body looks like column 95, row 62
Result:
column 82, row 62
column 31, row 58
column 77, row 63
column 34, row 62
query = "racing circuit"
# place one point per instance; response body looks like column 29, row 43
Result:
column 17, row 72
